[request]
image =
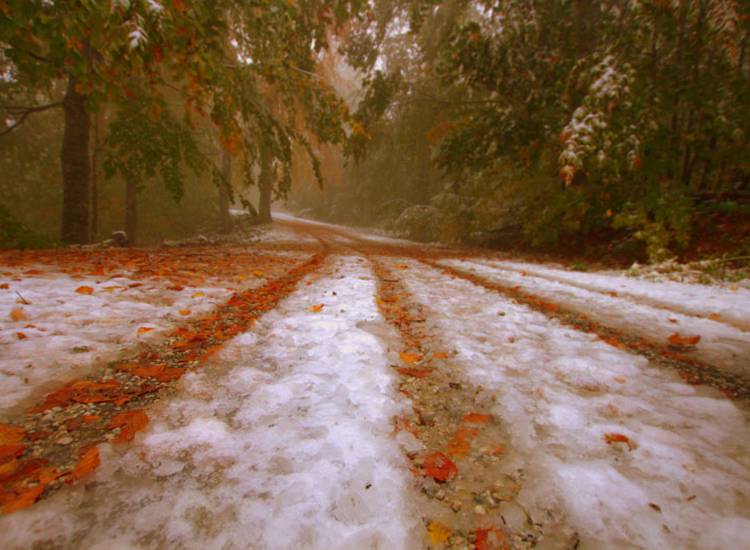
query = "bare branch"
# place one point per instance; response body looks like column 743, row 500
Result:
column 23, row 113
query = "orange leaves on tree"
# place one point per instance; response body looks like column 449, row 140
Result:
column 677, row 339
column 18, row 314
column 87, row 463
column 85, row 290
column 611, row 438
column 317, row 308
column 438, row 533
column 129, row 422
column 439, row 467
column 410, row 358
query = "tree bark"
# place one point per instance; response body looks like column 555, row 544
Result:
column 131, row 211
column 94, row 181
column 225, row 220
column 76, row 170
column 266, row 185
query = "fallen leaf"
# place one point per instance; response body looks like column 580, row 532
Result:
column 414, row 372
column 715, row 317
column 491, row 539
column 410, row 358
column 683, row 341
column 21, row 336
column 18, row 314
column 23, row 500
column 440, row 355
column 402, row 266
column 87, row 463
column 199, row 295
column 144, row 330
column 439, row 467
column 185, row 312
column 10, row 435
column 4, row 286
column 438, row 533
column 129, row 423
column 85, row 290
column 259, row 274
column 317, row 308
column 610, row 438
column 477, row 418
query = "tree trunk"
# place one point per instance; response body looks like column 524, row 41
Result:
column 225, row 220
column 75, row 160
column 94, row 181
column 131, row 211
column 266, row 185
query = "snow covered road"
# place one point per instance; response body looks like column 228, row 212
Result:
column 373, row 400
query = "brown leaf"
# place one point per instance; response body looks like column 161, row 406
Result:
column 677, row 339
column 611, row 438
column 185, row 312
column 21, row 336
column 129, row 423
column 87, row 463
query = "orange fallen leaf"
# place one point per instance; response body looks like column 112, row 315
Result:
column 414, row 372
column 610, row 438
column 91, row 418
column 477, row 418
column 402, row 266
column 8, row 468
column 677, row 339
column 259, row 274
column 144, row 330
column 21, row 336
column 438, row 533
column 4, row 286
column 440, row 355
column 85, row 290
column 410, row 358
column 22, row 500
column 11, row 434
column 491, row 539
column 439, row 467
column 18, row 314
column 317, row 308
column 88, row 462
column 129, row 423
column 185, row 312
column 715, row 317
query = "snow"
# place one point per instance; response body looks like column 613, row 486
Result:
column 282, row 441
column 721, row 345
column 560, row 391
column 730, row 304
column 66, row 331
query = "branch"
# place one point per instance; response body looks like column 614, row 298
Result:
column 23, row 113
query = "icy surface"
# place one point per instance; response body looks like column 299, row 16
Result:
column 721, row 345
column 730, row 305
column 66, row 332
column 281, row 442
column 559, row 391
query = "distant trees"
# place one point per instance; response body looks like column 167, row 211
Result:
column 166, row 68
column 560, row 117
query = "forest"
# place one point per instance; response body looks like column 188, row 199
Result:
column 619, row 127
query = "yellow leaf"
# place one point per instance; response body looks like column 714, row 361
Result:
column 198, row 295
column 18, row 314
column 259, row 274
column 317, row 308
column 438, row 533
column 410, row 358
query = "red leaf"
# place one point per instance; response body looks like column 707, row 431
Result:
column 439, row 467
column 88, row 462
column 130, row 422
column 610, row 438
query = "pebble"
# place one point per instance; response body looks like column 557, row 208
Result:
column 64, row 440
column 479, row 509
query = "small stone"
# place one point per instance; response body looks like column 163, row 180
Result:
column 64, row 440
